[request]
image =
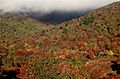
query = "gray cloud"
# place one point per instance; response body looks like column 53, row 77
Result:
column 46, row 6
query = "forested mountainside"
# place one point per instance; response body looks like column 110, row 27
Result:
column 84, row 48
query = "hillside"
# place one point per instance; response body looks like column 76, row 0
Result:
column 84, row 48
column 13, row 27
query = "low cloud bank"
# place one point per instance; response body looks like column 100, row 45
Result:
column 47, row 6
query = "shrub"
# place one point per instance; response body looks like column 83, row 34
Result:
column 65, row 30
column 76, row 63
column 64, row 37
column 41, row 45
column 88, row 20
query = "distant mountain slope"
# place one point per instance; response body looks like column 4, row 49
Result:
column 17, row 26
column 84, row 48
column 55, row 17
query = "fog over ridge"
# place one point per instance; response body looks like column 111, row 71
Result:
column 51, row 11
column 46, row 6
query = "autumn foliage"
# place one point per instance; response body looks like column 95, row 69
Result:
column 84, row 48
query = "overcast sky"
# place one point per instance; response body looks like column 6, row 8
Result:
column 46, row 6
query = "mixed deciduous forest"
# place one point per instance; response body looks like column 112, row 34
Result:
column 83, row 48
